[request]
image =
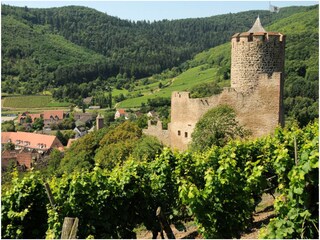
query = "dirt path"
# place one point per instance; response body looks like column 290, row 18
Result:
column 189, row 233
column 264, row 212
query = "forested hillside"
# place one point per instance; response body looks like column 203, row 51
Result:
column 56, row 46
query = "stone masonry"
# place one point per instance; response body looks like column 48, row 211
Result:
column 256, row 92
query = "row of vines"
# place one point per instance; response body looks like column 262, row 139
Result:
column 219, row 189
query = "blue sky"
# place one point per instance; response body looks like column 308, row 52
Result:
column 158, row 10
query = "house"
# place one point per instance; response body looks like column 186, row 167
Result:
column 94, row 107
column 152, row 114
column 80, row 131
column 10, row 117
column 23, row 158
column 138, row 114
column 31, row 141
column 83, row 117
column 52, row 117
column 121, row 113
column 23, row 117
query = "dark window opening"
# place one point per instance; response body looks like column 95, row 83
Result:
column 179, row 132
column 186, row 134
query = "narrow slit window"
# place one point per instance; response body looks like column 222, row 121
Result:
column 179, row 132
column 186, row 134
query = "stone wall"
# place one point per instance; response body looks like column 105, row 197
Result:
column 260, row 111
column 157, row 130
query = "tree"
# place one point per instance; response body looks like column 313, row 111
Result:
column 54, row 161
column 67, row 123
column 8, row 146
column 110, row 98
column 147, row 148
column 118, row 144
column 28, row 119
column 61, row 138
column 217, row 127
column 80, row 155
column 205, row 90
column 38, row 124
column 142, row 121
column 8, row 126
column 20, row 128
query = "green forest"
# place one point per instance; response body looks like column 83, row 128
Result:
column 137, row 49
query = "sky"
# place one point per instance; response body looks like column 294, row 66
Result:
column 159, row 10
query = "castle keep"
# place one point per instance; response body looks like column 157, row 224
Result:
column 256, row 92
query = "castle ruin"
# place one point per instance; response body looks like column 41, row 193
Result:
column 256, row 92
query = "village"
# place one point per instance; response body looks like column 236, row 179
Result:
column 39, row 134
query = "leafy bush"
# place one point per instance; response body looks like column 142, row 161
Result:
column 205, row 90
column 216, row 127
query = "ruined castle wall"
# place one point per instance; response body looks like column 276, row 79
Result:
column 186, row 112
column 258, row 112
column 256, row 93
column 158, row 132
column 253, row 55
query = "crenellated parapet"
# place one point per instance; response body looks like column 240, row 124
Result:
column 261, row 37
column 157, row 130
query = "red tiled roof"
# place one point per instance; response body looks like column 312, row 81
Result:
column 121, row 111
column 31, row 140
column 53, row 113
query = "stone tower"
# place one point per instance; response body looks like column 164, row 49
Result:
column 253, row 53
column 99, row 122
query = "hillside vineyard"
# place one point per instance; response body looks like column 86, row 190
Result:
column 256, row 92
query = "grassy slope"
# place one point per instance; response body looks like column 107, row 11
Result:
column 295, row 26
column 205, row 70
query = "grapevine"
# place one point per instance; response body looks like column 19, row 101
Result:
column 219, row 188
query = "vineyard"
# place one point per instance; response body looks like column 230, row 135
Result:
column 34, row 101
column 218, row 189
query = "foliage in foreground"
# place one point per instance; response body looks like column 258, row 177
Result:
column 219, row 188
column 297, row 207
column 23, row 209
